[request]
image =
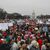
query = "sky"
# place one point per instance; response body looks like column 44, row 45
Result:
column 26, row 7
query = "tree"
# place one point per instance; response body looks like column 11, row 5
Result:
column 2, row 13
column 14, row 16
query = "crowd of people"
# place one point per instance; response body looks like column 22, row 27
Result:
column 24, row 37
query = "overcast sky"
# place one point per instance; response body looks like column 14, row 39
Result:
column 26, row 7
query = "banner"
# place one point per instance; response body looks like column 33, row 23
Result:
column 4, row 26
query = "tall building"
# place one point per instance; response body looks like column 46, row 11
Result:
column 33, row 15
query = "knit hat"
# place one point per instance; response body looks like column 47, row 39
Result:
column 18, row 38
column 4, row 34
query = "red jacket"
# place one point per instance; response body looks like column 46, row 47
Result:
column 0, row 41
column 40, row 42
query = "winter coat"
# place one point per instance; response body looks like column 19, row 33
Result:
column 14, row 46
column 43, row 47
column 34, row 48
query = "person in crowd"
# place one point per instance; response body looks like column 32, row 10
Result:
column 48, row 46
column 40, row 41
column 14, row 45
column 43, row 47
column 35, row 45
column 5, row 45
column 23, row 46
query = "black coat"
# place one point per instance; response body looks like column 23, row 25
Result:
column 4, row 47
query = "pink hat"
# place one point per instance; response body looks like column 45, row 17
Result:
column 26, row 36
column 31, row 36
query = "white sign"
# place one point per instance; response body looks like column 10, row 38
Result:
column 4, row 26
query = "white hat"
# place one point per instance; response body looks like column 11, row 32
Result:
column 36, row 28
